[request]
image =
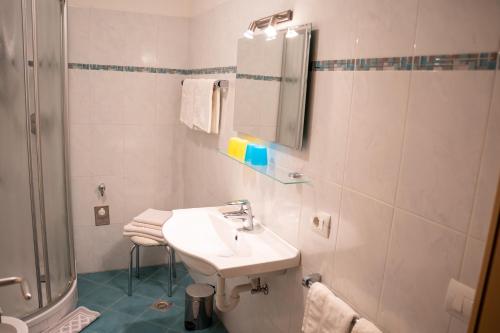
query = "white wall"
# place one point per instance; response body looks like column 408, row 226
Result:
column 122, row 126
column 406, row 162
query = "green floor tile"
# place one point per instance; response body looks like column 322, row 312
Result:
column 143, row 327
column 162, row 274
column 100, row 277
column 106, row 292
column 163, row 319
column 133, row 305
column 85, row 287
column 110, row 322
column 103, row 296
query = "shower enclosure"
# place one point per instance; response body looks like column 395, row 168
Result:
column 35, row 231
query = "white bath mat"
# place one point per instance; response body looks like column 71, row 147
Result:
column 75, row 321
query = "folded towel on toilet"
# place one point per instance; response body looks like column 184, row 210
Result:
column 325, row 312
column 365, row 326
column 153, row 216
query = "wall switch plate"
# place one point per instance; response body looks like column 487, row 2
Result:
column 459, row 300
column 321, row 224
column 101, row 215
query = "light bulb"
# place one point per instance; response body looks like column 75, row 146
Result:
column 291, row 33
column 271, row 32
column 248, row 34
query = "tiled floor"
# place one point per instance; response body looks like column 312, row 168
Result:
column 106, row 292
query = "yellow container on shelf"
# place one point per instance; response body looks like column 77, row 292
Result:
column 237, row 147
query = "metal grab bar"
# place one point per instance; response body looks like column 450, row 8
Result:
column 218, row 83
column 25, row 288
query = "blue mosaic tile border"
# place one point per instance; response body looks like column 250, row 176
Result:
column 213, row 70
column 160, row 70
column 465, row 61
column 258, row 77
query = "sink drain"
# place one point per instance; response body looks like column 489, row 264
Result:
column 162, row 306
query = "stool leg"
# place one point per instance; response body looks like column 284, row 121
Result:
column 173, row 264
column 137, row 266
column 130, row 267
column 170, row 271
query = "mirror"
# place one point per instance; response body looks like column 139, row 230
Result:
column 271, row 84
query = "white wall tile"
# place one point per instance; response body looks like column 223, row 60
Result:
column 108, row 91
column 489, row 172
column 107, row 150
column 376, row 132
column 360, row 251
column 79, row 96
column 422, row 258
column 451, row 26
column 330, row 94
column 457, row 326
column 80, row 150
column 473, row 259
column 83, row 198
column 79, row 36
column 444, row 134
column 122, row 127
column 139, row 105
column 317, row 252
column 334, row 26
column 167, row 97
column 121, row 38
column 173, row 34
column 385, row 28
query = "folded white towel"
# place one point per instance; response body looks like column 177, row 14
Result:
column 203, row 104
column 145, row 225
column 131, row 234
column 153, row 216
column 365, row 326
column 145, row 231
column 325, row 312
column 187, row 102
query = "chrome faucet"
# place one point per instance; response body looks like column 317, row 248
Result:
column 245, row 213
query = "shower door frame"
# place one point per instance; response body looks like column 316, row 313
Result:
column 49, row 301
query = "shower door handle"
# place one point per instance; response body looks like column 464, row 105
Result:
column 25, row 288
column 33, row 123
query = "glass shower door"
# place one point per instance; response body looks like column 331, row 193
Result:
column 17, row 243
column 51, row 148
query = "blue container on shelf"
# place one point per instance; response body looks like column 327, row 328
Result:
column 248, row 153
column 258, row 155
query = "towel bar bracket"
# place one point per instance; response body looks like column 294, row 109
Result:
column 308, row 280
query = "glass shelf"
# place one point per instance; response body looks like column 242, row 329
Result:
column 281, row 175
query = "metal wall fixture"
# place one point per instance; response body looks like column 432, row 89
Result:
column 268, row 24
column 218, row 83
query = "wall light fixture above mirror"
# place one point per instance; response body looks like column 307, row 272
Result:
column 271, row 84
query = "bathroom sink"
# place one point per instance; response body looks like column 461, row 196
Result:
column 13, row 325
column 209, row 243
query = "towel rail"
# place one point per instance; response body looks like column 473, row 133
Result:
column 218, row 83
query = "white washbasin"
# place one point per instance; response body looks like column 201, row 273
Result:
column 209, row 243
column 13, row 325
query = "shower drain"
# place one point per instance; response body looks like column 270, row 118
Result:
column 162, row 306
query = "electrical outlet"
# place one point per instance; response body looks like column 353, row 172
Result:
column 321, row 223
column 459, row 300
